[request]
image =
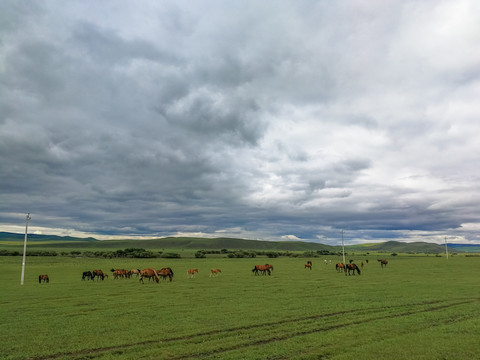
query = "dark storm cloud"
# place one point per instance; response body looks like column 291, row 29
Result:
column 271, row 120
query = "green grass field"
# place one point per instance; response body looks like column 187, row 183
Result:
column 416, row 308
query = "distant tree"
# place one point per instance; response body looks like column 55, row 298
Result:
column 171, row 255
column 272, row 254
column 200, row 254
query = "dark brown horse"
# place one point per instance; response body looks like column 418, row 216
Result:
column 43, row 278
column 263, row 268
column 98, row 274
column 87, row 275
column 339, row 267
column 149, row 274
column 165, row 272
column 383, row 262
column 351, row 267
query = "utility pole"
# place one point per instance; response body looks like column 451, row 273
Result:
column 25, row 247
column 343, row 248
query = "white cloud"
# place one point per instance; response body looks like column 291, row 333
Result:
column 252, row 120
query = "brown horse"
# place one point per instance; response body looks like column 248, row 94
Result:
column 191, row 273
column 215, row 272
column 135, row 272
column 340, row 267
column 270, row 266
column 265, row 269
column 308, row 266
column 98, row 273
column 120, row 273
column 43, row 278
column 351, row 267
column 149, row 273
column 383, row 263
column 165, row 272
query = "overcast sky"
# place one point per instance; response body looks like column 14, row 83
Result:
column 265, row 120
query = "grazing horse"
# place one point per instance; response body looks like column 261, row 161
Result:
column 308, row 266
column 43, row 278
column 215, row 272
column 165, row 272
column 339, row 267
column 149, row 273
column 191, row 273
column 98, row 273
column 351, row 267
column 361, row 264
column 383, row 263
column 270, row 266
column 135, row 272
column 263, row 268
column 87, row 275
column 122, row 273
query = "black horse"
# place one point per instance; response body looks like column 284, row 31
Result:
column 87, row 275
column 43, row 278
column 351, row 267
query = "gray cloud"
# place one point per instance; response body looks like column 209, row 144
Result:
column 252, row 120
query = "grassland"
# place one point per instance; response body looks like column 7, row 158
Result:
column 416, row 308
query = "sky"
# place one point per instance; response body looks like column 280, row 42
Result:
column 269, row 120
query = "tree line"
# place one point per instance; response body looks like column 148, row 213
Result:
column 143, row 253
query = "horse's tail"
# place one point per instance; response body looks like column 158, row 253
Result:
column 39, row 279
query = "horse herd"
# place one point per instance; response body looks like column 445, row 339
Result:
column 149, row 274
column 167, row 272
column 351, row 267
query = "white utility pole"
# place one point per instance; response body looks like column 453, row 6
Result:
column 25, row 247
column 343, row 248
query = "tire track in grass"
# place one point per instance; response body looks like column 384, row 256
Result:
column 320, row 329
column 433, row 306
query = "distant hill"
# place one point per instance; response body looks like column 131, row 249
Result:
column 465, row 247
column 6, row 236
column 232, row 244
column 404, row 247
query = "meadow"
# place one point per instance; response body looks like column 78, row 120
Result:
column 418, row 307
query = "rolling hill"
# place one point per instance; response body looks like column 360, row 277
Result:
column 193, row 243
